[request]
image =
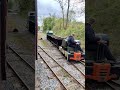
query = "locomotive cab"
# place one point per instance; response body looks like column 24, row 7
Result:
column 70, row 52
column 93, row 55
column 99, row 69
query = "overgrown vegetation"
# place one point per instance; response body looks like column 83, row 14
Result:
column 66, row 24
column 48, row 23
column 55, row 24
column 107, row 15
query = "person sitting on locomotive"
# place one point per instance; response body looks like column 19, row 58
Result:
column 73, row 44
column 93, row 42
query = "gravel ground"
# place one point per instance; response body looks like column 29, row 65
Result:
column 45, row 80
column 13, row 83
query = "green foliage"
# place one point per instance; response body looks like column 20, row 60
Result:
column 48, row 23
column 74, row 27
column 56, row 25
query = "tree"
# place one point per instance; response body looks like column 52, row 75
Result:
column 67, row 14
column 62, row 6
column 71, row 15
column 65, row 8
column 69, row 7
column 48, row 23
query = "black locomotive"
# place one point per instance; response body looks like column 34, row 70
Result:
column 97, row 68
column 67, row 51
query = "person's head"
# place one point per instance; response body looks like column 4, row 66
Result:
column 72, row 34
column 91, row 21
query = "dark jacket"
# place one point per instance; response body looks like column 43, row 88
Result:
column 90, row 34
column 71, row 41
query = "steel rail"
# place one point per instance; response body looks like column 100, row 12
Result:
column 15, row 71
column 113, row 85
column 61, row 66
column 21, row 57
column 82, row 62
column 53, row 72
column 18, row 76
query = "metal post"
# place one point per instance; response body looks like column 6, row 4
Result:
column 36, row 30
column 3, row 37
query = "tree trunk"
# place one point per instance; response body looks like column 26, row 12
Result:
column 67, row 20
column 63, row 17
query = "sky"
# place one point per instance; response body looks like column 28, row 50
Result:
column 47, row 7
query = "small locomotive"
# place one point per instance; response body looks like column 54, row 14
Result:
column 99, row 69
column 67, row 51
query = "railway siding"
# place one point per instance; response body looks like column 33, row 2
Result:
column 54, row 58
column 23, row 71
column 55, row 53
column 69, row 68
column 59, row 57
column 62, row 76
column 13, row 82
column 24, row 67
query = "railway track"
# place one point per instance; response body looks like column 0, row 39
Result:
column 109, row 85
column 77, row 65
column 113, row 85
column 17, row 54
column 43, row 54
column 23, row 70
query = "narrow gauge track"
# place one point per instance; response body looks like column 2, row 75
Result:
column 21, row 58
column 23, row 70
column 81, row 85
column 82, row 62
column 76, row 66
column 113, row 85
column 94, row 85
column 109, row 85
